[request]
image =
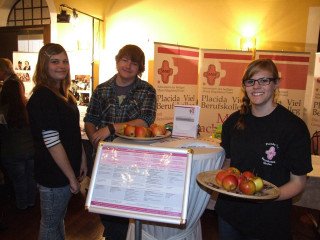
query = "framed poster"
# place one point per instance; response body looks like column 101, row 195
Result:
column 24, row 65
column 141, row 182
column 81, row 76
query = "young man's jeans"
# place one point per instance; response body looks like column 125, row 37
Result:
column 115, row 228
column 20, row 171
column 53, row 204
column 228, row 232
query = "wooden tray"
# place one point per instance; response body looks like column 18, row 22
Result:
column 207, row 179
column 168, row 134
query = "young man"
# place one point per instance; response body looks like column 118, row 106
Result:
column 123, row 99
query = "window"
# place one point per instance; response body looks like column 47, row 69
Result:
column 29, row 13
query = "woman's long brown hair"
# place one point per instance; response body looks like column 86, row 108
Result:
column 41, row 76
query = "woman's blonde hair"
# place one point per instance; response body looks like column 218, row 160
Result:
column 41, row 76
column 253, row 68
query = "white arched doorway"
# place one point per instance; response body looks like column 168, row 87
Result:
column 7, row 5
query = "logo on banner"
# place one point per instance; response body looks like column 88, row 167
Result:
column 178, row 71
column 214, row 74
column 165, row 71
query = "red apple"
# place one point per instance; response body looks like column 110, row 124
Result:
column 219, row 177
column 241, row 178
column 157, row 130
column 233, row 170
column 248, row 174
column 141, row 131
column 259, row 183
column 129, row 131
column 247, row 187
column 230, row 182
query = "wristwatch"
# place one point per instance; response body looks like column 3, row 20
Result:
column 111, row 128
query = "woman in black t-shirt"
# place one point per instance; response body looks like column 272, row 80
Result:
column 268, row 139
column 60, row 160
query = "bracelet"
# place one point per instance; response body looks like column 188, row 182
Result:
column 111, row 128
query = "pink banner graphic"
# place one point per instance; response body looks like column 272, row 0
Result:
column 217, row 86
column 233, row 70
column 220, row 85
column 293, row 71
column 176, row 78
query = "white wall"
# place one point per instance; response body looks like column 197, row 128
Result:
column 5, row 7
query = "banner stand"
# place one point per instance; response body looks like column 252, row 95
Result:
column 137, row 230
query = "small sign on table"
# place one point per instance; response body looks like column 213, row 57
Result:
column 186, row 120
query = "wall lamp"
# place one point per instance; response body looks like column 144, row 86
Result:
column 74, row 13
column 248, row 44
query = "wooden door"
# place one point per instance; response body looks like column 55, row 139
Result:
column 9, row 37
column 8, row 44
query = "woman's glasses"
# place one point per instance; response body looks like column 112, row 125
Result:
column 261, row 81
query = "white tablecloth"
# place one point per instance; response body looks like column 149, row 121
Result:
column 310, row 198
column 207, row 156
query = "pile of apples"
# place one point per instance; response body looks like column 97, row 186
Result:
column 144, row 132
column 231, row 179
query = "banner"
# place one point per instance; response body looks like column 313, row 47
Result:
column 175, row 78
column 216, row 88
column 317, row 65
column 220, row 85
column 315, row 107
column 293, row 71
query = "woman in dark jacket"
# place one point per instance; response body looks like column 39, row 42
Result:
column 17, row 150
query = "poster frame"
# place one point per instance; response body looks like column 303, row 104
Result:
column 138, row 215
